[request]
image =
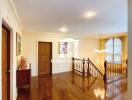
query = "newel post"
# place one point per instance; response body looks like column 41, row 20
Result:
column 105, row 71
column 73, row 64
column 126, row 67
column 88, row 70
column 83, row 66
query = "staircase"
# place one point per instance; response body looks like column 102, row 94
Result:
column 112, row 71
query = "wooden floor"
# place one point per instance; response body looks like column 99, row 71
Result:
column 68, row 86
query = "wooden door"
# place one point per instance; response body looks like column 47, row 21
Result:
column 44, row 58
column 5, row 64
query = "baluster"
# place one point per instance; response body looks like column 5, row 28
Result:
column 105, row 73
column 118, row 66
column 122, row 68
column 96, row 74
column 114, row 66
column 117, row 69
column 88, row 68
column 73, row 64
column 78, row 64
column 123, row 65
column 109, row 70
column 114, row 69
column 126, row 66
column 83, row 66
column 92, row 70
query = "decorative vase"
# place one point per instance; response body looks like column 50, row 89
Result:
column 23, row 63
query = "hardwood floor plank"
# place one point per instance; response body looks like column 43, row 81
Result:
column 68, row 86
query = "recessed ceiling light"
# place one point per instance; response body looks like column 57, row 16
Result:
column 63, row 29
column 89, row 14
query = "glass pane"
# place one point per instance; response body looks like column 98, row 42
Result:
column 109, row 43
column 117, row 42
column 117, row 58
column 109, row 58
column 117, row 50
column 109, row 50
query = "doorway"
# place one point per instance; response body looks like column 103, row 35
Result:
column 44, row 58
column 5, row 63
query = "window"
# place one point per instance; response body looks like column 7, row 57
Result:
column 113, row 50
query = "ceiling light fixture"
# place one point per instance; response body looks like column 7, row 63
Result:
column 63, row 29
column 89, row 14
column 100, row 50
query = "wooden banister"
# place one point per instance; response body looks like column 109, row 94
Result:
column 87, row 67
column 111, row 70
column 114, row 71
column 96, row 68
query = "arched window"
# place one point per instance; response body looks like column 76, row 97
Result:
column 113, row 50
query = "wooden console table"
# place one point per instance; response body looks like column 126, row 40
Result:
column 23, row 78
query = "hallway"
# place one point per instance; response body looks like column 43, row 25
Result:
column 68, row 86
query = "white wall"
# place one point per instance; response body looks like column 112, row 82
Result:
column 129, row 50
column 8, row 15
column 29, row 45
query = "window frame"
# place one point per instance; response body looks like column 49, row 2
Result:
column 113, row 54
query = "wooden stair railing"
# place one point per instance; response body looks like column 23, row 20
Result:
column 115, row 71
column 96, row 72
column 112, row 71
column 85, row 68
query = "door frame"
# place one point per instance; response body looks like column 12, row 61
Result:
column 38, row 56
column 6, row 27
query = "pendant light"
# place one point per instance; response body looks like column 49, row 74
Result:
column 99, row 50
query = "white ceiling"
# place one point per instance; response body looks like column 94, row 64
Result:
column 50, row 15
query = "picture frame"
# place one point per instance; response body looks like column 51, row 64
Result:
column 62, row 47
column 18, row 44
